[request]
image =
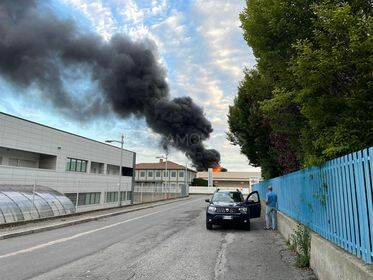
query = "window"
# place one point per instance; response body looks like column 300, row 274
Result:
column 112, row 169
column 127, row 171
column 85, row 198
column 125, row 195
column 22, row 158
column 97, row 167
column 228, row 197
column 72, row 197
column 254, row 197
column 13, row 162
column 111, row 197
column 150, row 173
column 142, row 174
column 22, row 163
column 181, row 174
column 173, row 174
column 165, row 174
column 77, row 165
column 158, row 174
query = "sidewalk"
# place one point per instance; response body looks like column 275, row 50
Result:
column 82, row 217
column 257, row 254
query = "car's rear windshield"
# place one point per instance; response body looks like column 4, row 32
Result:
column 228, row 197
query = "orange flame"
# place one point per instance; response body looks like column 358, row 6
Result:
column 216, row 169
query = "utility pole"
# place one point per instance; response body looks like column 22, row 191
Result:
column 166, row 181
column 121, row 142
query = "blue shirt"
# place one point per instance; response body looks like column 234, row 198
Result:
column 271, row 198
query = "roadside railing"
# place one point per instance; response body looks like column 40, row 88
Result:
column 23, row 199
column 144, row 194
column 335, row 200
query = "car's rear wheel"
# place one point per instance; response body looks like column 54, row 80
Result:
column 208, row 225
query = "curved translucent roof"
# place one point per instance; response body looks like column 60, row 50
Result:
column 21, row 203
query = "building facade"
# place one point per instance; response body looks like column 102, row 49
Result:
column 155, row 174
column 85, row 170
column 233, row 180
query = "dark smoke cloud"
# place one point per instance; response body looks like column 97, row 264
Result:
column 36, row 48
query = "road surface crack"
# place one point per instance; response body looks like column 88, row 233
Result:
column 227, row 238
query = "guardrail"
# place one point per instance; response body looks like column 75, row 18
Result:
column 335, row 200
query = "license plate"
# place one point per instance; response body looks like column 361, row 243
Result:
column 227, row 218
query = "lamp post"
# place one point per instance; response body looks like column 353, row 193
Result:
column 186, row 177
column 121, row 142
column 165, row 158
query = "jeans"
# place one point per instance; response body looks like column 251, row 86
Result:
column 271, row 216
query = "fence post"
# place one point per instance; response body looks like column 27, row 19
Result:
column 362, row 206
column 368, row 157
column 77, row 198
column 33, row 194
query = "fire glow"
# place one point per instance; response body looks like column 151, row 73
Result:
column 218, row 169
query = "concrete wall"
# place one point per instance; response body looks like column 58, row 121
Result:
column 208, row 190
column 328, row 261
column 332, row 263
column 231, row 184
column 201, row 190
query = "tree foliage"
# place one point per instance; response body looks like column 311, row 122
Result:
column 310, row 97
column 199, row 182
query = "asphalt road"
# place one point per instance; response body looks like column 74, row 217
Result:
column 165, row 242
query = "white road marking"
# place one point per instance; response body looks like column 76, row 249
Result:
column 57, row 241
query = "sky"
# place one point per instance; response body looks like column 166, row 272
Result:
column 200, row 44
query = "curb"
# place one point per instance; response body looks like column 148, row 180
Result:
column 84, row 220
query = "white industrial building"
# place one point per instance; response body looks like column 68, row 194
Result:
column 85, row 170
column 233, row 180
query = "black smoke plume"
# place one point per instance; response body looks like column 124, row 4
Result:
column 36, row 48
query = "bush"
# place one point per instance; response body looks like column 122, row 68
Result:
column 300, row 242
column 199, row 182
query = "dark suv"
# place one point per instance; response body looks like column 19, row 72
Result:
column 231, row 207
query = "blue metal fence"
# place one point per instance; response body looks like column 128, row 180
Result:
column 335, row 200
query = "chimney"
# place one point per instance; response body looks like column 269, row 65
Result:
column 161, row 160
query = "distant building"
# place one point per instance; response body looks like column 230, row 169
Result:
column 154, row 174
column 233, row 179
column 85, row 170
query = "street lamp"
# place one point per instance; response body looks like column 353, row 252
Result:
column 165, row 158
column 186, row 176
column 121, row 142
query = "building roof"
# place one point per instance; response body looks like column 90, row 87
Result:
column 230, row 176
column 161, row 166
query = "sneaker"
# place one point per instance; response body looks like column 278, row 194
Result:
column 265, row 228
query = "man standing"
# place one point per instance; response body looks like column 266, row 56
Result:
column 271, row 209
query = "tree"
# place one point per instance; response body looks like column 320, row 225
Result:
column 334, row 70
column 248, row 127
column 310, row 97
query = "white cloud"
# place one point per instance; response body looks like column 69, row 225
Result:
column 99, row 15
column 220, row 26
column 131, row 12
